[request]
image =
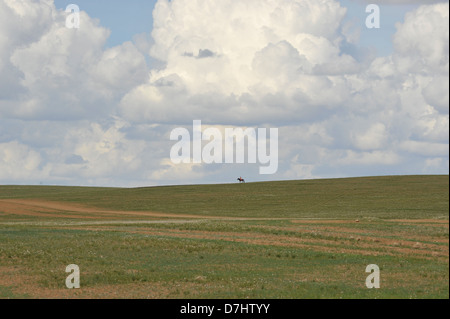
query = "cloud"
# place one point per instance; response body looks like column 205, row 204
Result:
column 266, row 67
column 421, row 42
column 372, row 138
column 19, row 162
column 73, row 111
column 425, row 149
column 436, row 94
column 21, row 23
column 242, row 58
column 58, row 73
column 75, row 159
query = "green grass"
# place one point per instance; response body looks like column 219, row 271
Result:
column 382, row 197
column 226, row 270
column 279, row 258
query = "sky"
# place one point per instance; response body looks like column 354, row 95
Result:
column 96, row 105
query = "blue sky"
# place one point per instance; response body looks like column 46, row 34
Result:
column 378, row 38
column 124, row 18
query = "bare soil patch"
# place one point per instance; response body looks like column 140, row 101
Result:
column 68, row 210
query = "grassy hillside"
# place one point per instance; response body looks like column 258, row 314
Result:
column 379, row 197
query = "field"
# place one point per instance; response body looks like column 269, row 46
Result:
column 289, row 239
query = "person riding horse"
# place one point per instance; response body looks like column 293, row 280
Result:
column 241, row 180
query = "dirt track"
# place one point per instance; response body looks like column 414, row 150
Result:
column 68, row 210
column 40, row 208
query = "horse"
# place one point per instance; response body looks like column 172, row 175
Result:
column 241, row 180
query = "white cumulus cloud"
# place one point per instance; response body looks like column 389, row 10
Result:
column 77, row 112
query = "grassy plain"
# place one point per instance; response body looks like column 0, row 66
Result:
column 288, row 239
